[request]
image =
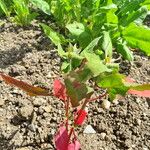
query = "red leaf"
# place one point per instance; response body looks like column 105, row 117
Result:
column 61, row 138
column 81, row 115
column 31, row 90
column 145, row 93
column 75, row 145
column 59, row 90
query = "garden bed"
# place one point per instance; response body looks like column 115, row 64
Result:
column 29, row 123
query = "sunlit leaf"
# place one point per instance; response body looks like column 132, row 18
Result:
column 107, row 45
column 138, row 37
column 56, row 38
column 75, row 145
column 95, row 65
column 124, row 50
column 59, row 90
column 31, row 90
column 41, row 4
column 81, row 118
column 61, row 138
column 75, row 90
column 76, row 28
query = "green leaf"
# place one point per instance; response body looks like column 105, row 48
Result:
column 123, row 49
column 91, row 46
column 108, row 7
column 113, row 83
column 41, row 4
column 147, row 3
column 141, row 87
column 76, row 28
column 4, row 8
column 55, row 37
column 65, row 66
column 84, row 74
column 113, row 92
column 75, row 90
column 84, row 39
column 110, row 81
column 137, row 16
column 61, row 52
column 107, row 45
column 138, row 37
column 111, row 17
column 95, row 64
column 128, row 7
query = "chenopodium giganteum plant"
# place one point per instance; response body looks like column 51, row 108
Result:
column 76, row 92
column 119, row 24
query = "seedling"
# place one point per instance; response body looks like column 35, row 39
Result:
column 75, row 93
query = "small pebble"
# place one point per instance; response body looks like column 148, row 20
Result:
column 2, row 102
column 89, row 130
column 47, row 108
column 26, row 111
column 38, row 101
column 103, row 135
column 32, row 127
column 106, row 104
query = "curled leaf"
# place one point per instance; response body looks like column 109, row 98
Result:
column 61, row 138
column 31, row 90
column 75, row 145
column 81, row 116
column 59, row 90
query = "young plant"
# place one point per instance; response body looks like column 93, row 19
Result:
column 23, row 15
column 74, row 91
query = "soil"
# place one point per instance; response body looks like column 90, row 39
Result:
column 29, row 123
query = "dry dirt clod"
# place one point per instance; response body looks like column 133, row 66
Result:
column 2, row 102
column 39, row 101
column 26, row 111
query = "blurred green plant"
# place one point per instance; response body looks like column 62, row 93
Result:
column 5, row 7
column 118, row 23
column 23, row 15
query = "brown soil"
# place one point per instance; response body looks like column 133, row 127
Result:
column 29, row 123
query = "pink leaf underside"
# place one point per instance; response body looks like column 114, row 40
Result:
column 130, row 80
column 81, row 118
column 61, row 139
column 59, row 90
column 74, row 146
column 145, row 93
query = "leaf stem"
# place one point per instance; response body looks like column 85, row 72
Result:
column 67, row 112
column 71, row 131
column 98, row 97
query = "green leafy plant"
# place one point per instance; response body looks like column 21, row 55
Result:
column 23, row 15
column 74, row 91
column 5, row 7
column 93, row 30
column 118, row 23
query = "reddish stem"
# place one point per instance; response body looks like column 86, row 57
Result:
column 67, row 112
column 98, row 97
column 82, row 108
column 71, row 131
